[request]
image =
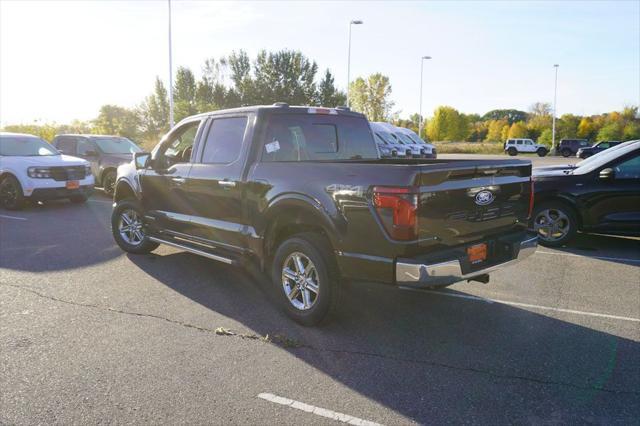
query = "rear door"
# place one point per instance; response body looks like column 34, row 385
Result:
column 88, row 150
column 214, row 187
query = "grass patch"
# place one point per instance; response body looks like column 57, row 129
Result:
column 469, row 147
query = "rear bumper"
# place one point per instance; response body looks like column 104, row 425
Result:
column 43, row 194
column 418, row 274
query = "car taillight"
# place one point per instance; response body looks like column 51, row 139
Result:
column 531, row 197
column 397, row 209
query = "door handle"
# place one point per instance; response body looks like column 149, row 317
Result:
column 227, row 183
column 178, row 180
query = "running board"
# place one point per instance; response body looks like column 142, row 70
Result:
column 193, row 250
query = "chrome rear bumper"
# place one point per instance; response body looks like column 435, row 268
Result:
column 444, row 273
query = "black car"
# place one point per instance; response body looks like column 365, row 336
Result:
column 569, row 147
column 587, row 152
column 300, row 194
column 600, row 194
column 105, row 153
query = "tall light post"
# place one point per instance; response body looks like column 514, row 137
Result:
column 170, row 72
column 421, row 72
column 555, row 99
column 354, row 22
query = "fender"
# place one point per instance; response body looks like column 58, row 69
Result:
column 124, row 185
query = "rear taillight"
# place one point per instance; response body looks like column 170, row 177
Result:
column 397, row 210
column 531, row 197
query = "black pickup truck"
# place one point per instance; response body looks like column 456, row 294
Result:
column 302, row 194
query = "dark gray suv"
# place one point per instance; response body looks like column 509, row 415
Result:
column 105, row 153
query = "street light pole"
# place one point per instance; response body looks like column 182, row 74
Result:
column 421, row 72
column 555, row 99
column 170, row 72
column 355, row 22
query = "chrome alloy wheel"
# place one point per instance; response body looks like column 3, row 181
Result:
column 130, row 227
column 552, row 224
column 300, row 281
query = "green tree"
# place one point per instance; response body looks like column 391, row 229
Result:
column 586, row 128
column 240, row 66
column 518, row 130
column 372, row 96
column 511, row 115
column 153, row 113
column 184, row 94
column 495, row 130
column 284, row 76
column 116, row 120
column 447, row 124
column 545, row 138
column 328, row 95
column 614, row 131
column 631, row 131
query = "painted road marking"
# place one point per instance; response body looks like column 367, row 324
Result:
column 334, row 415
column 619, row 259
column 524, row 305
column 12, row 217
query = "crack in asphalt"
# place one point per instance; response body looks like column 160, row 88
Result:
column 293, row 344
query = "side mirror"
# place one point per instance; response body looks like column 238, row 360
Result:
column 142, row 159
column 607, row 174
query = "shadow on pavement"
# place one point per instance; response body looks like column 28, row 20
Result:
column 57, row 235
column 612, row 248
column 431, row 358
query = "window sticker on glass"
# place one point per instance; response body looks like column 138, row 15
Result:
column 272, row 147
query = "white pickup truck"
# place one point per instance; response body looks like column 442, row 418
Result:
column 524, row 146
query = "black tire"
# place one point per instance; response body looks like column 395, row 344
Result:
column 109, row 182
column 11, row 195
column 318, row 250
column 78, row 199
column 559, row 211
column 144, row 245
column 512, row 152
column 542, row 152
column 565, row 152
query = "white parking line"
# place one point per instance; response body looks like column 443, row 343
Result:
column 619, row 259
column 12, row 217
column 523, row 305
column 334, row 415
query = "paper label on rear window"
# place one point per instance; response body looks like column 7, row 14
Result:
column 272, row 147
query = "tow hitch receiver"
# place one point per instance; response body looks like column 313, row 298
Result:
column 484, row 279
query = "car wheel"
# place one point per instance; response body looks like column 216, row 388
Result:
column 555, row 223
column 542, row 152
column 305, row 277
column 11, row 195
column 109, row 182
column 565, row 153
column 512, row 152
column 78, row 199
column 128, row 230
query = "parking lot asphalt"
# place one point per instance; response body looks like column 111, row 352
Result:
column 89, row 334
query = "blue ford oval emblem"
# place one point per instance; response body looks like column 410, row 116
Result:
column 484, row 197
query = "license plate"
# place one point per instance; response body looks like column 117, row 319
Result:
column 73, row 184
column 477, row 253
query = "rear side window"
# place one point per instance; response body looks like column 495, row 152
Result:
column 308, row 137
column 224, row 140
column 66, row 145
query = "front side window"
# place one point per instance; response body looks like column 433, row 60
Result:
column 629, row 169
column 66, row 145
column 180, row 144
column 116, row 145
column 84, row 146
column 28, row 146
column 224, row 141
column 603, row 145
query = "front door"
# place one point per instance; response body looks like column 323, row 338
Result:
column 164, row 199
column 215, row 185
column 614, row 205
column 87, row 150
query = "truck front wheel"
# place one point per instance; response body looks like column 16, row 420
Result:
column 305, row 278
column 127, row 228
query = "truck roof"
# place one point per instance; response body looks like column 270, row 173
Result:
column 281, row 107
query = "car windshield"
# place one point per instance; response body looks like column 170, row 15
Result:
column 27, row 146
column 117, row 145
column 404, row 138
column 602, row 158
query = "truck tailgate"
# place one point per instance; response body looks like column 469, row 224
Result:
column 468, row 201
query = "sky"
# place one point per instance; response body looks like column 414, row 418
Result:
column 62, row 60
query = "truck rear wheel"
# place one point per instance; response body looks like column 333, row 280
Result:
column 306, row 279
column 512, row 151
column 542, row 152
column 565, row 152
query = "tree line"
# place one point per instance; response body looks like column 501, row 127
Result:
column 289, row 76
